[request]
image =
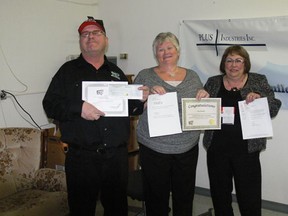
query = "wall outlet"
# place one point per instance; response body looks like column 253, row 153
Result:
column 123, row 55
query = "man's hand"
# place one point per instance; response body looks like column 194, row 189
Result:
column 89, row 112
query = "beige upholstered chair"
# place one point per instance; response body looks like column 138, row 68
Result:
column 26, row 188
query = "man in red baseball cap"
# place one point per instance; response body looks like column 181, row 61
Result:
column 93, row 41
column 92, row 21
column 96, row 161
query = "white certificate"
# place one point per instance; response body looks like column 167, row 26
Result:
column 126, row 91
column 204, row 114
column 255, row 119
column 100, row 96
column 163, row 114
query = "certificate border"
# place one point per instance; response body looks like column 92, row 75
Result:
column 87, row 84
column 215, row 101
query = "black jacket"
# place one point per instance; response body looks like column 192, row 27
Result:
column 63, row 102
column 256, row 83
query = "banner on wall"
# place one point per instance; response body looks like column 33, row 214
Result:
column 266, row 40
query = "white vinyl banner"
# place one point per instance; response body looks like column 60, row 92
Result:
column 266, row 40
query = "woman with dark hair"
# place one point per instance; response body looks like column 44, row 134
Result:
column 228, row 155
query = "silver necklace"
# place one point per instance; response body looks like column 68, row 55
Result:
column 235, row 88
column 171, row 74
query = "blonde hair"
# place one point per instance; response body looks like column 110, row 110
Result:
column 165, row 36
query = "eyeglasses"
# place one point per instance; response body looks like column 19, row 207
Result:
column 86, row 34
column 236, row 61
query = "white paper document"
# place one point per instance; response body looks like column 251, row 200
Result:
column 255, row 119
column 110, row 97
column 163, row 114
column 126, row 91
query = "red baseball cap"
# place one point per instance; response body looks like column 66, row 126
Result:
column 92, row 21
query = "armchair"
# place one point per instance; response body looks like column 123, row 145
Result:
column 26, row 187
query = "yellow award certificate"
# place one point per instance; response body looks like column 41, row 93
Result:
column 204, row 114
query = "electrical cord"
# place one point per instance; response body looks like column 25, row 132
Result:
column 11, row 71
column 22, row 108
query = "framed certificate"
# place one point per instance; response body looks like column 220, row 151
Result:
column 204, row 114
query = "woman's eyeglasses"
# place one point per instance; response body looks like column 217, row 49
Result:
column 236, row 61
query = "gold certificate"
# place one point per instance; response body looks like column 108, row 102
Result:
column 204, row 114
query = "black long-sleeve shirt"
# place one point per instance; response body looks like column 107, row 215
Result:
column 63, row 102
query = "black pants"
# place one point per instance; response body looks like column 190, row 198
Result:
column 90, row 174
column 246, row 171
column 163, row 173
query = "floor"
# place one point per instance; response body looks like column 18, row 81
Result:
column 202, row 204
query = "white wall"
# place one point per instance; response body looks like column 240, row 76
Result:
column 37, row 36
column 35, row 39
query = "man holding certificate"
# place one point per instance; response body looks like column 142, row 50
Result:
column 168, row 161
column 97, row 161
column 229, row 155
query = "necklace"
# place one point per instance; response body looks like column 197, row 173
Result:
column 172, row 74
column 238, row 86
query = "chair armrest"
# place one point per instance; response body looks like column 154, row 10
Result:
column 50, row 180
